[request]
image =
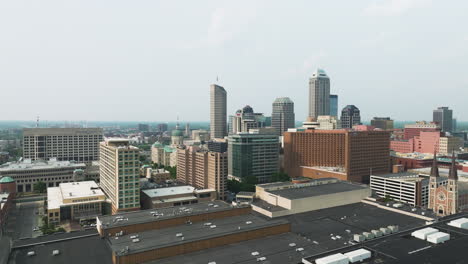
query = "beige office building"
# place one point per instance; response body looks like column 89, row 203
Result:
column 119, row 173
column 202, row 169
column 218, row 112
column 77, row 144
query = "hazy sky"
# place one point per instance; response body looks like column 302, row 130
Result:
column 154, row 60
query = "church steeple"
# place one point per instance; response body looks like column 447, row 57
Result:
column 434, row 169
column 453, row 175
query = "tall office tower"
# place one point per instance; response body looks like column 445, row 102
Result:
column 334, row 105
column 350, row 116
column 218, row 104
column 346, row 155
column 443, row 117
column 282, row 116
column 143, row 127
column 454, row 125
column 162, row 127
column 245, row 119
column 253, row 154
column 119, row 174
column 78, row 144
column 187, row 130
column 382, row 123
column 319, row 94
column 202, row 169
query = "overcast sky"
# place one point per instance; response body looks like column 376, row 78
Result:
column 154, row 60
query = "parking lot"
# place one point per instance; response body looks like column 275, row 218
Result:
column 23, row 218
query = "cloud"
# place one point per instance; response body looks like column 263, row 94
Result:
column 393, row 7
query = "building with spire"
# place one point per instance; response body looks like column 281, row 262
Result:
column 450, row 198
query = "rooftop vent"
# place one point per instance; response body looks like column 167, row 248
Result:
column 55, row 252
column 255, row 253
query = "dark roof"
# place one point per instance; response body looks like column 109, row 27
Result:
column 197, row 231
column 453, row 168
column 435, row 168
column 323, row 189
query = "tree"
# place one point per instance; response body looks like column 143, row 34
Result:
column 40, row 187
column 247, row 185
column 280, row 177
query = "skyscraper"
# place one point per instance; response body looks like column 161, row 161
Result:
column 218, row 104
column 119, row 174
column 350, row 116
column 334, row 105
column 319, row 94
column 245, row 119
column 382, row 123
column 282, row 116
column 443, row 117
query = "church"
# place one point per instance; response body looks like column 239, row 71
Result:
column 450, row 198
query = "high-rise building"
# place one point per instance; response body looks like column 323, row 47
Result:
column 319, row 94
column 77, row 144
column 162, row 127
column 443, row 116
column 202, row 169
column 350, row 116
column 334, row 105
column 119, row 174
column 187, row 130
column 343, row 154
column 253, row 154
column 454, row 125
column 218, row 112
column 143, row 127
column 245, row 119
column 282, row 116
column 384, row 123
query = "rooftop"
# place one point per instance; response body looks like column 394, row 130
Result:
column 27, row 164
column 323, row 189
column 70, row 190
column 189, row 233
column 169, row 191
column 145, row 216
column 444, row 172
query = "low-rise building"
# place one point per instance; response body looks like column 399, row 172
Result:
column 52, row 172
column 159, row 176
column 286, row 198
column 74, row 201
column 7, row 194
column 175, row 196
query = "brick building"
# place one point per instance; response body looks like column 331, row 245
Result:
column 346, row 155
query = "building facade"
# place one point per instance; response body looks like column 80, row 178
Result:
column 245, row 119
column 218, row 112
column 350, row 116
column 73, row 144
column 253, row 155
column 27, row 173
column 119, row 172
column 282, row 116
column 343, row 154
column 444, row 117
column 384, row 123
column 334, row 105
column 319, row 94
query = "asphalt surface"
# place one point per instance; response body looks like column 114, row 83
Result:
column 23, row 219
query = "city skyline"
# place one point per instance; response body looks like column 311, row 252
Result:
column 41, row 60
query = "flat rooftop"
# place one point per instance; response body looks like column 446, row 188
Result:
column 323, row 189
column 70, row 190
column 39, row 165
column 145, row 216
column 444, row 172
column 291, row 184
column 154, row 239
column 169, row 191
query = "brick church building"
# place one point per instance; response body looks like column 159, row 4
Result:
column 447, row 199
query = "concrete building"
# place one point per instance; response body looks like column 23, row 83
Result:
column 217, row 145
column 162, row 127
column 334, row 105
column 427, row 142
column 218, row 112
column 200, row 135
column 203, row 169
column 282, row 116
column 119, row 172
column 7, row 194
column 143, row 127
column 76, row 201
column 444, row 117
column 253, row 155
column 245, row 119
column 343, row 154
column 407, row 187
column 26, row 173
column 412, row 130
column 286, row 198
column 159, row 176
column 319, row 94
column 328, row 122
column 177, row 136
column 163, row 155
column 73, row 144
column 175, row 196
column 350, row 116
column 384, row 123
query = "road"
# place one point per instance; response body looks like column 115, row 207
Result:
column 23, row 219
